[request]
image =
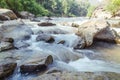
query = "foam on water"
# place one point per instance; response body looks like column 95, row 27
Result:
column 88, row 65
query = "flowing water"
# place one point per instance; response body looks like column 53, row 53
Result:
column 99, row 57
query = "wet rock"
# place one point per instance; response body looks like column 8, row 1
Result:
column 96, row 29
column 10, row 40
column 61, row 42
column 46, row 24
column 6, row 14
column 75, row 25
column 79, row 76
column 80, row 44
column 7, row 69
column 6, row 46
column 45, row 37
column 1, row 36
column 36, row 64
column 21, row 44
column 15, row 29
column 35, row 19
column 26, row 15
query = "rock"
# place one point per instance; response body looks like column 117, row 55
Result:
column 100, row 12
column 26, row 15
column 36, row 64
column 46, row 24
column 6, row 14
column 21, row 44
column 106, row 35
column 45, row 37
column 94, row 29
column 11, row 40
column 75, row 25
column 15, row 29
column 7, row 69
column 6, row 46
column 80, row 44
column 79, row 76
column 1, row 35
column 61, row 42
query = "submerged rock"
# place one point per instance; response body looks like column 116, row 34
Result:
column 96, row 29
column 6, row 14
column 79, row 76
column 36, row 64
column 45, row 37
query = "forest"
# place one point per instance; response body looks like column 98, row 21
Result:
column 48, row 7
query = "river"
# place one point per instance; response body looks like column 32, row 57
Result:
column 99, row 57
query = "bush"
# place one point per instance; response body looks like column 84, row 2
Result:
column 113, row 6
column 90, row 11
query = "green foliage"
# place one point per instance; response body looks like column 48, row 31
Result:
column 90, row 11
column 65, row 7
column 24, row 5
column 113, row 6
column 48, row 7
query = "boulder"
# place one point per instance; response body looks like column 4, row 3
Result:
column 26, row 15
column 7, row 64
column 96, row 29
column 107, row 35
column 78, row 76
column 36, row 63
column 15, row 29
column 6, row 14
column 7, row 69
column 45, row 37
column 100, row 12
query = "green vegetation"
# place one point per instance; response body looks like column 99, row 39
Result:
column 24, row 5
column 48, row 7
column 90, row 11
column 113, row 6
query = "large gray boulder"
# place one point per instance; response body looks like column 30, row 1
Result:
column 96, row 29
column 15, row 29
column 36, row 63
column 6, row 14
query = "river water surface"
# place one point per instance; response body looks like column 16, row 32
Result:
column 100, row 56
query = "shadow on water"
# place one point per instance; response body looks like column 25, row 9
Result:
column 109, row 51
